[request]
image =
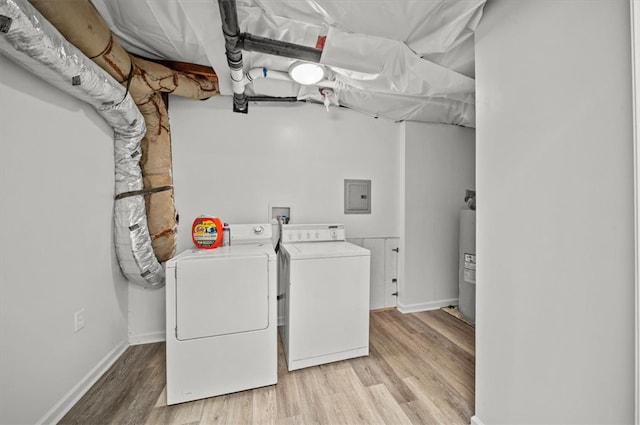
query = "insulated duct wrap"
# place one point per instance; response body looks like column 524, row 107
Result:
column 424, row 63
column 29, row 40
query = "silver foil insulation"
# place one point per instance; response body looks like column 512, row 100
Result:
column 31, row 41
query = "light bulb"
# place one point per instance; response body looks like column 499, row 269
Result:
column 306, row 73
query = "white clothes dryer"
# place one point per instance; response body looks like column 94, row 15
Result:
column 326, row 298
column 221, row 317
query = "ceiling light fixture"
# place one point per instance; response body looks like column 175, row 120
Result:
column 306, row 73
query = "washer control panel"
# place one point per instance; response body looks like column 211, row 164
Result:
column 312, row 233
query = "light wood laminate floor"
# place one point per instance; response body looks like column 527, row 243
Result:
column 420, row 370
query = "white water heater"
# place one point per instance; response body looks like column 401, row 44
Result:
column 467, row 265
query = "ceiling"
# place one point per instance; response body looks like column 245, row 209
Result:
column 397, row 59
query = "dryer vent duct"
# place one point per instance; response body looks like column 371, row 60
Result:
column 32, row 42
column 79, row 22
column 143, row 237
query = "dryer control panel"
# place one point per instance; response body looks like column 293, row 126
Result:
column 249, row 233
column 312, row 233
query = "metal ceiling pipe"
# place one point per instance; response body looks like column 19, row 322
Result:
column 235, row 42
column 287, row 99
column 231, row 32
column 254, row 43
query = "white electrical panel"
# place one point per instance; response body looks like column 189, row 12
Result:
column 357, row 196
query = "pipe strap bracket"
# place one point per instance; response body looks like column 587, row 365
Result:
column 142, row 192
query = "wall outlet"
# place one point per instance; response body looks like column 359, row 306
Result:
column 79, row 320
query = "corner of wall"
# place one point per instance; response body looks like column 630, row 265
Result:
column 71, row 398
column 146, row 315
column 476, row 421
column 635, row 45
column 402, row 169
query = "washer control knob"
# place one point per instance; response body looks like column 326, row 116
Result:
column 258, row 230
column 333, row 234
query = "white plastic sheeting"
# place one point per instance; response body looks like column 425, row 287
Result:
column 28, row 39
column 394, row 81
column 399, row 59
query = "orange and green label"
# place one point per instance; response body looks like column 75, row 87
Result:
column 206, row 232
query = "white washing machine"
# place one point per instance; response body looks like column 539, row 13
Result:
column 326, row 295
column 221, row 317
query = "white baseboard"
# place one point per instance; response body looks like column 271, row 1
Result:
column 56, row 413
column 147, row 338
column 476, row 421
column 432, row 305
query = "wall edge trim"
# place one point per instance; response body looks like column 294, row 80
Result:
column 147, row 338
column 634, row 6
column 476, row 420
column 71, row 398
column 431, row 305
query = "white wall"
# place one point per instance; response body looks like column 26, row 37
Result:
column 56, row 165
column 146, row 315
column 439, row 163
column 635, row 51
column 234, row 165
column 555, row 310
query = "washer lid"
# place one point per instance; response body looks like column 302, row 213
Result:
column 324, row 250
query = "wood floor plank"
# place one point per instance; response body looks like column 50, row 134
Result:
column 444, row 408
column 375, row 369
column 230, row 409
column 440, row 359
column 451, row 328
column 420, row 413
column 176, row 415
column 120, row 395
column 359, row 405
column 291, row 420
column 420, row 370
column 264, row 406
column 389, row 410
column 162, row 399
column 287, row 398
column 308, row 394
